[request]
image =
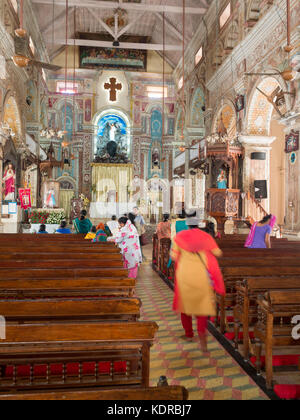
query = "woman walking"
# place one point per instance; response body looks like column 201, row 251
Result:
column 197, row 276
column 260, row 233
column 128, row 241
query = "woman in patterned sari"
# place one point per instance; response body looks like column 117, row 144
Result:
column 128, row 241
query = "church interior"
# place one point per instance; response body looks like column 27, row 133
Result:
column 167, row 131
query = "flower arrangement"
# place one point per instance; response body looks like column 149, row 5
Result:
column 85, row 200
column 38, row 217
column 43, row 217
column 56, row 218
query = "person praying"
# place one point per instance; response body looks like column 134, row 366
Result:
column 101, row 235
column 128, row 241
column 82, row 225
column 63, row 229
column 42, row 229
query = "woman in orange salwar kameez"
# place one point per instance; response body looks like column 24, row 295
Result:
column 197, row 277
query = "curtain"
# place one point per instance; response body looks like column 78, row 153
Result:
column 110, row 177
column 65, row 198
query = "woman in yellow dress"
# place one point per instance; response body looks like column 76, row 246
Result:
column 197, row 277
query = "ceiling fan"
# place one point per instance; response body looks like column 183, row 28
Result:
column 21, row 43
column 275, row 99
column 288, row 74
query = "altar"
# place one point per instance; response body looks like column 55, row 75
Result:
column 111, row 190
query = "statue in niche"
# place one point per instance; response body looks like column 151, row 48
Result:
column 9, row 180
column 222, row 180
column 155, row 159
column 112, row 145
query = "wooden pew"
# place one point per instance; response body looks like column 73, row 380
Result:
column 274, row 328
column 60, row 287
column 64, row 309
column 245, row 311
column 234, row 274
column 60, row 264
column 67, row 273
column 39, row 357
column 42, row 256
column 163, row 393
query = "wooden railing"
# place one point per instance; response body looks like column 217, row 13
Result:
column 254, row 211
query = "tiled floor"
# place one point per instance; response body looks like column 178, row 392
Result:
column 213, row 377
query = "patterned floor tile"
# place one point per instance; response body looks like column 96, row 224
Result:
column 215, row 376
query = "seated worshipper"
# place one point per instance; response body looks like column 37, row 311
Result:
column 82, row 225
column 259, row 236
column 163, row 229
column 128, row 241
column 92, row 234
column 42, row 229
column 63, row 228
column 106, row 229
column 113, row 225
column 101, row 235
column 178, row 224
column 210, row 229
column 197, row 275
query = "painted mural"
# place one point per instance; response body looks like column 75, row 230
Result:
column 92, row 58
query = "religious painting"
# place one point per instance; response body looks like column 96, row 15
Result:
column 97, row 58
column 50, row 195
column 9, row 182
column 240, row 103
column 88, row 110
column 292, row 142
column 112, row 138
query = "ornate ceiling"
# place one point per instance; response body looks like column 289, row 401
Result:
column 137, row 17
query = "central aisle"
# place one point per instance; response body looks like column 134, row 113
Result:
column 213, row 377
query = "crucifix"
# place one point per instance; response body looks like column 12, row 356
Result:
column 113, row 86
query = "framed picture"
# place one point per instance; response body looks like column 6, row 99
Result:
column 240, row 103
column 292, row 142
column 50, row 194
column 110, row 58
column 12, row 208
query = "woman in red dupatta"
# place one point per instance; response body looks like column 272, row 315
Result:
column 197, row 277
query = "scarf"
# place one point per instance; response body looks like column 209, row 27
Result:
column 196, row 241
column 83, row 226
column 250, row 239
